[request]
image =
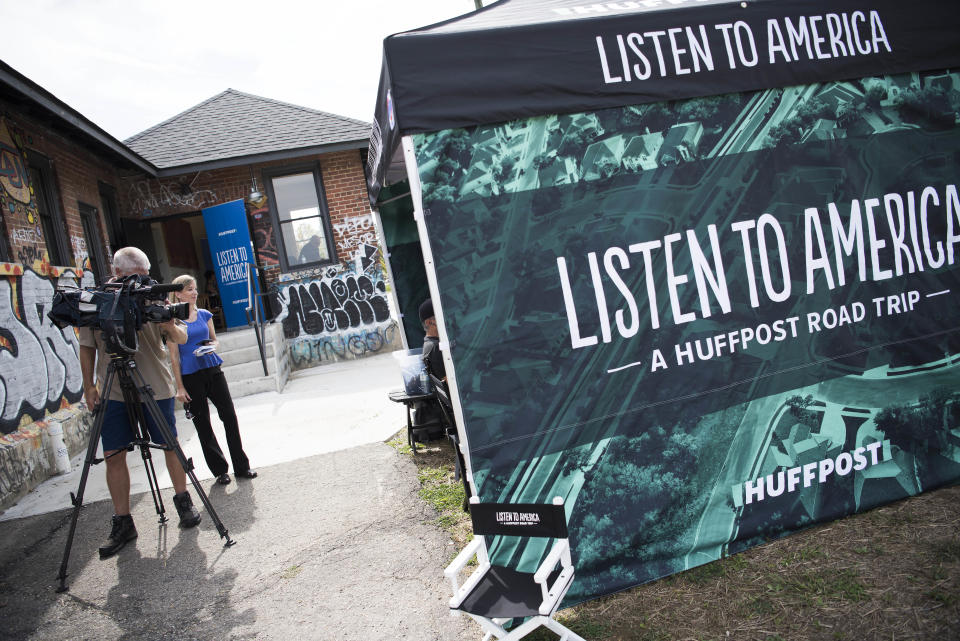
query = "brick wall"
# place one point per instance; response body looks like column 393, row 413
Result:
column 344, row 185
column 40, row 378
column 76, row 172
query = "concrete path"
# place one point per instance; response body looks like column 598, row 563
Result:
column 323, row 409
column 332, row 541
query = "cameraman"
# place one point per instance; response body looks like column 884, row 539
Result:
column 117, row 434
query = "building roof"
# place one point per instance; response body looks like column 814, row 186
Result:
column 39, row 102
column 234, row 128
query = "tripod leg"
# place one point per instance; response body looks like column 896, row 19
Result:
column 138, row 425
column 87, row 462
column 174, row 444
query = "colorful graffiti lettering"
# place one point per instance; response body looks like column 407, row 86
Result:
column 13, row 176
column 39, row 363
column 264, row 238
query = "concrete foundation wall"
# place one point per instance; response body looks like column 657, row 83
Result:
column 28, row 456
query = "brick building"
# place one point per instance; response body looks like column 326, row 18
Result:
column 71, row 194
column 59, row 181
column 299, row 173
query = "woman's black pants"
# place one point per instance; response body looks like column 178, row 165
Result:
column 210, row 383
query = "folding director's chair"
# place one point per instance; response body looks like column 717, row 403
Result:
column 495, row 594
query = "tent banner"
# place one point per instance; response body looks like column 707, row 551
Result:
column 523, row 58
column 705, row 323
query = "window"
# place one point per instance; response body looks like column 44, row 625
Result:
column 93, row 240
column 48, row 208
column 5, row 255
column 111, row 220
column 300, row 215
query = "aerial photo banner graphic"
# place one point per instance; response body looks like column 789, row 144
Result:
column 705, row 323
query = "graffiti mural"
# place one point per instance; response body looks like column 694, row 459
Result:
column 39, row 363
column 17, row 202
column 13, row 173
column 341, row 315
column 152, row 193
column 264, row 238
column 354, row 234
column 336, row 347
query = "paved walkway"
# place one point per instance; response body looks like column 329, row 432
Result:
column 332, row 541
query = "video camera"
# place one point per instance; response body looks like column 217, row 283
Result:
column 118, row 308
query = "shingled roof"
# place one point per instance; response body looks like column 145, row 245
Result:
column 234, row 128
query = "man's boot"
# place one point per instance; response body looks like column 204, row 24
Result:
column 122, row 531
column 189, row 516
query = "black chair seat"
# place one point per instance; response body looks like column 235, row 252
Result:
column 504, row 593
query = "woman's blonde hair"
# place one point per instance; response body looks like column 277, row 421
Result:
column 185, row 280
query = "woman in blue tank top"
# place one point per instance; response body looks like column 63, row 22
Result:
column 196, row 366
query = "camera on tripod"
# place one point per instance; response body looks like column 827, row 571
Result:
column 119, row 309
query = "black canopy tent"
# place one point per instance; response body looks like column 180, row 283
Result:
column 515, row 258
column 520, row 58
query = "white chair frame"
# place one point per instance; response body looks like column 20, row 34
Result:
column 552, row 594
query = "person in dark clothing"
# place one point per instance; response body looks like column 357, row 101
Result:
column 310, row 253
column 432, row 356
column 196, row 367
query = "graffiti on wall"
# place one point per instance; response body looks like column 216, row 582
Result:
column 39, row 363
column 344, row 314
column 354, row 234
column 336, row 347
column 16, row 200
column 264, row 238
column 13, row 173
column 153, row 193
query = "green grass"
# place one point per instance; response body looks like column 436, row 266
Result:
column 445, row 497
column 813, row 589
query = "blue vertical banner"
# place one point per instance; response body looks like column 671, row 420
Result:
column 232, row 251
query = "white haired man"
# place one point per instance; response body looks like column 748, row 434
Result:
column 153, row 362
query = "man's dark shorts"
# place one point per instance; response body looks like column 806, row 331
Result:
column 116, row 433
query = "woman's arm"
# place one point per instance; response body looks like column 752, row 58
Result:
column 182, row 395
column 175, row 331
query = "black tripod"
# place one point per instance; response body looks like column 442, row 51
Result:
column 135, row 391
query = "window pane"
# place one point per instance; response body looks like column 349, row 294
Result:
column 46, row 217
column 304, row 241
column 296, row 196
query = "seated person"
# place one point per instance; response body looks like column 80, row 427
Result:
column 432, row 356
column 428, row 411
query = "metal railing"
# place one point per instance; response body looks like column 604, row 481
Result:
column 254, row 312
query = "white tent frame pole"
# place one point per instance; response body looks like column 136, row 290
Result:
column 416, row 194
column 394, row 303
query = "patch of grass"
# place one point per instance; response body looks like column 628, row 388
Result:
column 437, row 489
column 722, row 568
column 810, row 553
column 947, row 550
column 869, row 549
column 946, row 598
column 816, row 588
column 399, row 442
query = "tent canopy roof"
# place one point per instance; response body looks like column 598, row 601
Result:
column 522, row 58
